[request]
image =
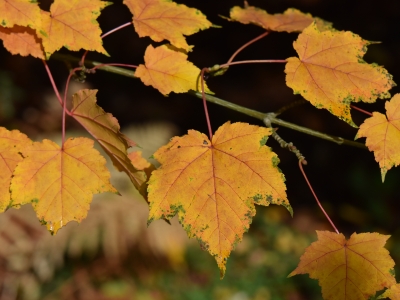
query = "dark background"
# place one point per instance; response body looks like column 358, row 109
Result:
column 346, row 179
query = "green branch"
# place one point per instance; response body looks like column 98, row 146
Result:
column 265, row 117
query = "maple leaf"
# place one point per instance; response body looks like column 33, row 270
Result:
column 213, row 186
column 72, row 24
column 19, row 12
column 383, row 135
column 60, row 182
column 331, row 74
column 166, row 20
column 105, row 129
column 392, row 293
column 168, row 71
column 22, row 40
column 352, row 269
column 11, row 143
column 292, row 20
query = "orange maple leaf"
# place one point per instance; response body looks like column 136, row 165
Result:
column 330, row 72
column 392, row 293
column 169, row 71
column 72, row 24
column 292, row 20
column 166, row 20
column 105, row 129
column 352, row 269
column 60, row 182
column 11, row 143
column 19, row 12
column 22, row 40
column 383, row 135
column 213, row 186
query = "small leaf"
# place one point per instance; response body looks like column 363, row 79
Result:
column 383, row 135
column 59, row 182
column 166, row 20
column 73, row 24
column 138, row 161
column 11, row 144
column 213, row 186
column 22, row 40
column 169, row 71
column 105, row 129
column 292, row 20
column 19, row 12
column 331, row 74
column 352, row 269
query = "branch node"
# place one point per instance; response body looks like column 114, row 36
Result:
column 282, row 142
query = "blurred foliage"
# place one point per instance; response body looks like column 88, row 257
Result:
column 10, row 94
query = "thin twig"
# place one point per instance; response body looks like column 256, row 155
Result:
column 290, row 106
column 359, row 109
column 247, row 111
column 254, row 61
column 246, row 45
column 284, row 144
column 316, row 198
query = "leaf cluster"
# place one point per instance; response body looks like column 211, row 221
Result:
column 213, row 182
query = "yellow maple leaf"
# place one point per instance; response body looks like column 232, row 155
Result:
column 169, row 71
column 72, row 24
column 348, row 269
column 383, row 135
column 22, row 40
column 213, row 186
column 331, row 74
column 292, row 20
column 166, row 20
column 19, row 12
column 11, row 143
column 105, row 129
column 60, row 182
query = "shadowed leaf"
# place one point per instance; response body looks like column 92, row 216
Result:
column 292, row 20
column 105, row 129
column 11, row 144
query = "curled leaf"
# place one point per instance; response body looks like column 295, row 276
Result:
column 292, row 20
